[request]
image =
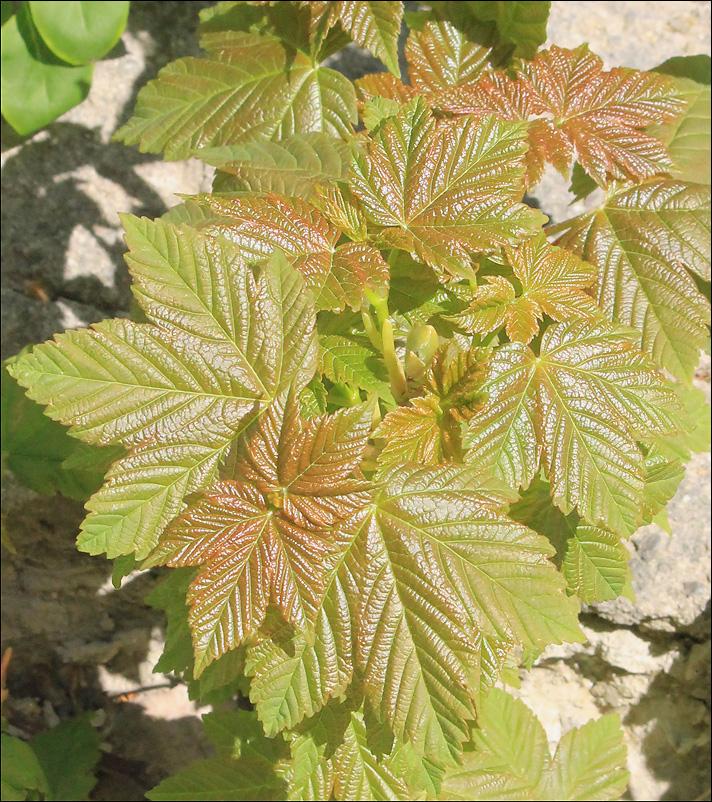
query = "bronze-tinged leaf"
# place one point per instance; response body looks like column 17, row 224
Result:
column 412, row 434
column 443, row 191
column 222, row 342
column 385, row 85
column 439, row 567
column 249, row 87
column 553, row 283
column 580, row 112
column 294, row 166
column 643, row 241
column 581, row 405
column 441, row 56
column 428, row 430
column 337, row 274
column 262, row 535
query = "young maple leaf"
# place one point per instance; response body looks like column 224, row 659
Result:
column 440, row 573
column 374, row 26
column 511, row 758
column 444, row 190
column 440, row 56
column 262, row 532
column 580, row 406
column 428, row 430
column 553, row 282
column 644, row 241
column 249, row 87
column 222, row 342
column 337, row 274
column 579, row 111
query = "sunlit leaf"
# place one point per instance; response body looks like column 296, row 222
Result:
column 511, row 759
column 579, row 111
column 643, row 242
column 249, row 87
column 439, row 569
column 445, row 190
column 553, row 283
column 578, row 408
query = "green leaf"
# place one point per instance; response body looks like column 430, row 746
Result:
column 359, row 775
column 293, row 166
column 520, row 24
column 696, row 68
column 251, row 767
column 249, row 87
column 643, row 242
column 687, row 138
column 294, row 677
column 589, row 763
column 238, row 733
column 593, row 561
column 68, row 754
column 36, row 86
column 439, row 570
column 375, row 26
column 511, row 759
column 352, row 359
column 41, row 454
column 582, row 403
column 80, row 32
column 443, row 191
column 178, row 390
column 21, row 772
column 596, row 564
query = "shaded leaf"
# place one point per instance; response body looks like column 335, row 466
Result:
column 293, row 166
column 36, row 85
column 68, row 754
column 251, row 766
column 41, row 454
column 359, row 775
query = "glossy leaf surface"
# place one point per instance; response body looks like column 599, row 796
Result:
column 644, row 241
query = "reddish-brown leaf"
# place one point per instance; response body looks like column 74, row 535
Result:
column 576, row 109
column 337, row 274
column 553, row 282
column 445, row 190
column 262, row 535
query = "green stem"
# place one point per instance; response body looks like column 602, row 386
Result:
column 399, row 385
column 371, row 330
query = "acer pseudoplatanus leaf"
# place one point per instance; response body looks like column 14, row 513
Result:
column 387, row 430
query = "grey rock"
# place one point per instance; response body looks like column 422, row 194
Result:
column 671, row 573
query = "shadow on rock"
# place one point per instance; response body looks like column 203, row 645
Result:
column 676, row 712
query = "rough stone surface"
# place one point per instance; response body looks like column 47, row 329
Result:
column 79, row 645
